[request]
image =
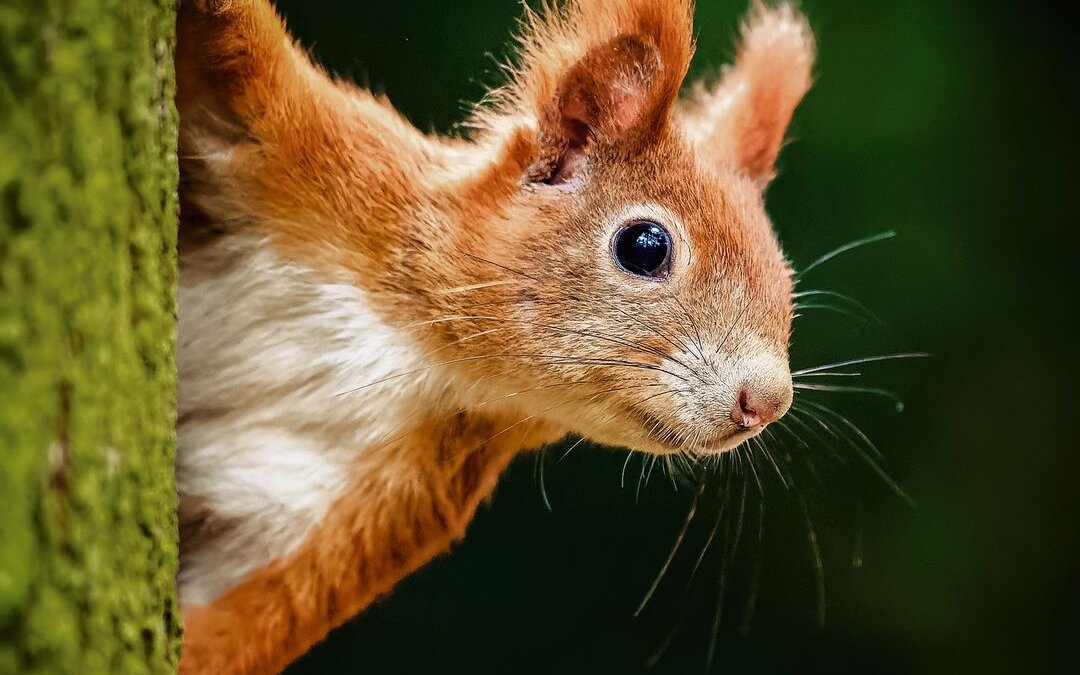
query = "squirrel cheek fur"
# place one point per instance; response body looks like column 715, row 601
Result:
column 374, row 321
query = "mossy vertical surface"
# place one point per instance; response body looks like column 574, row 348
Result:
column 88, row 540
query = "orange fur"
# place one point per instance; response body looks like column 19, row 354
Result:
column 358, row 552
column 741, row 120
column 492, row 252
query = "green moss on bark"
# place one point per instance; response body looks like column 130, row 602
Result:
column 88, row 540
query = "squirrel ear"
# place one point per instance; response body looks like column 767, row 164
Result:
column 609, row 96
column 742, row 120
column 595, row 73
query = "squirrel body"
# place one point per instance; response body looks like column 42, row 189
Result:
column 374, row 321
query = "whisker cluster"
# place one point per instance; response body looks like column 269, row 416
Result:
column 735, row 483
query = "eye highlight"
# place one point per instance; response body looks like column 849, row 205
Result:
column 643, row 248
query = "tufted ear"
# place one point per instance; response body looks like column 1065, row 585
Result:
column 596, row 73
column 742, row 120
column 608, row 97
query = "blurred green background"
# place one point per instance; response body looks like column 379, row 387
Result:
column 948, row 122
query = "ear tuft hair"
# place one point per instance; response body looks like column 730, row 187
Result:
column 552, row 41
column 639, row 50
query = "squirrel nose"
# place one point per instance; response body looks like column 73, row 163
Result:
column 754, row 408
column 764, row 391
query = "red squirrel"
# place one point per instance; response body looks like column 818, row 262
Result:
column 373, row 321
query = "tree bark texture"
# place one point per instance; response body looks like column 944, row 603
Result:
column 88, row 176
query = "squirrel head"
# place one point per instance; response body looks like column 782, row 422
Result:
column 615, row 267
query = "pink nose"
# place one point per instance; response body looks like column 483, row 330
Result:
column 754, row 409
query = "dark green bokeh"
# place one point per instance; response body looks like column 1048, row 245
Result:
column 948, row 122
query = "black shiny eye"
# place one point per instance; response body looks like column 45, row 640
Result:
column 643, row 249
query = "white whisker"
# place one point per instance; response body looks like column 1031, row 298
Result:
column 847, row 247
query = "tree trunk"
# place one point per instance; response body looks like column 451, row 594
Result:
column 88, row 539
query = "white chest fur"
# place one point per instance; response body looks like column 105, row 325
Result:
column 274, row 412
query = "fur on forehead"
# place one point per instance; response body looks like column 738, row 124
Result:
column 552, row 41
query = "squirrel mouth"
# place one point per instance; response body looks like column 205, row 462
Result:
column 666, row 436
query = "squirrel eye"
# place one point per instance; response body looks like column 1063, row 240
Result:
column 643, row 248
